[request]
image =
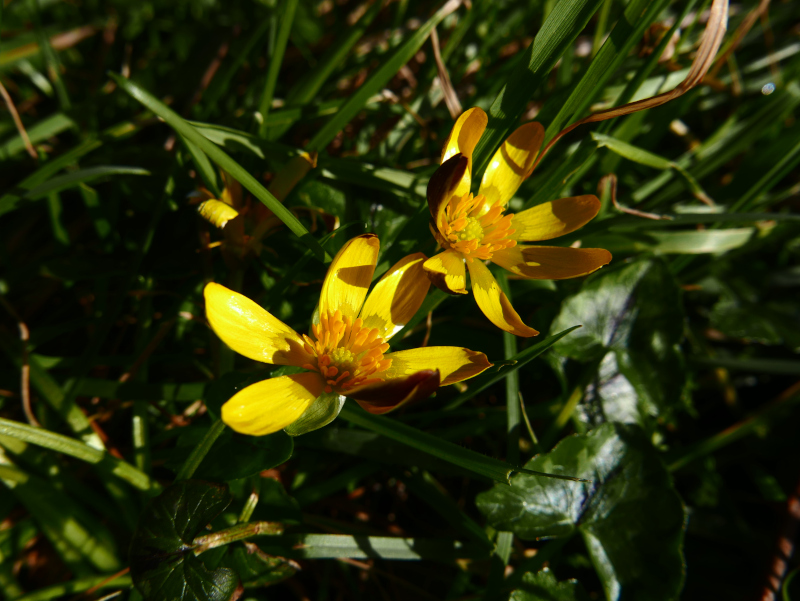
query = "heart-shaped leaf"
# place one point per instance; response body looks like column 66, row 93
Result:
column 630, row 517
column 163, row 565
column 632, row 320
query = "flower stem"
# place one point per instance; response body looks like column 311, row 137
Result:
column 200, row 451
column 235, row 533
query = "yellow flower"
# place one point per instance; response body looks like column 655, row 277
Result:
column 346, row 353
column 475, row 229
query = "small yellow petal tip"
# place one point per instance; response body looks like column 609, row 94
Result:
column 217, row 212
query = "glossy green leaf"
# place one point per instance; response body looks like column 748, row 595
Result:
column 632, row 324
column 82, row 176
column 544, row 585
column 163, row 565
column 630, row 517
column 701, row 242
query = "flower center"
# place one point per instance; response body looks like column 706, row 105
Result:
column 474, row 228
column 345, row 353
column 472, row 231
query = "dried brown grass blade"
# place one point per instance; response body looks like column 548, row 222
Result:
column 709, row 46
column 450, row 96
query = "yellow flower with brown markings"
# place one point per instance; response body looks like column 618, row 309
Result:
column 473, row 229
column 346, row 353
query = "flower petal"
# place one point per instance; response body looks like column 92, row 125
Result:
column 451, row 179
column 493, row 301
column 231, row 192
column 290, row 175
column 271, row 405
column 553, row 219
column 382, row 397
column 551, row 262
column 454, row 363
column 217, row 212
column 465, row 134
column 250, row 330
column 349, row 276
column 446, row 271
column 397, row 296
column 512, row 163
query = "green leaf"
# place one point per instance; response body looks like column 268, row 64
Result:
column 222, row 160
column 70, row 180
column 627, row 32
column 328, row 546
column 633, row 324
column 544, row 586
column 70, row 446
column 433, row 445
column 701, row 242
column 630, row 517
column 513, row 364
column 558, row 32
column 163, row 565
column 44, row 129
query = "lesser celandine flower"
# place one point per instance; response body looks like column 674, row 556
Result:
column 346, row 353
column 473, row 229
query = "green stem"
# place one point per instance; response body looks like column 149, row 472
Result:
column 233, row 534
column 200, row 451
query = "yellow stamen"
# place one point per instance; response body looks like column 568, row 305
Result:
column 474, row 228
column 345, row 353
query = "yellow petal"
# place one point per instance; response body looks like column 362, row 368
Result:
column 250, row 330
column 551, row 262
column 397, row 297
column 451, row 179
column 512, row 163
column 217, row 212
column 465, row 134
column 271, row 405
column 454, row 363
column 554, row 219
column 290, row 175
column 446, row 271
column 493, row 301
column 232, row 192
column 349, row 276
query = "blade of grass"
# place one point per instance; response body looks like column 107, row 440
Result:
column 558, row 32
column 433, row 445
column 627, row 32
column 290, row 6
column 520, row 359
column 69, row 446
column 379, row 79
column 223, row 161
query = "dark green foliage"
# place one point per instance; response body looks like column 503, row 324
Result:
column 686, row 356
column 629, row 516
column 163, row 565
